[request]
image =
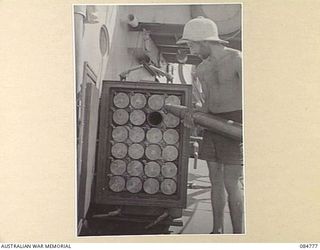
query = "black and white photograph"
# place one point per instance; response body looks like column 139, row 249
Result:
column 171, row 122
column 159, row 119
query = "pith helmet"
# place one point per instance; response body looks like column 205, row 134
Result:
column 200, row 29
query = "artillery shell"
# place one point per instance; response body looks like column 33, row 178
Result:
column 135, row 168
column 173, row 99
column 136, row 134
column 118, row 167
column 134, row 185
column 136, row 151
column 117, row 183
column 151, row 186
column 154, row 135
column 156, row 102
column 137, row 117
column 119, row 150
column 119, row 134
column 121, row 100
column 153, row 152
column 120, row 116
column 170, row 153
column 152, row 169
column 169, row 169
column 168, row 186
column 170, row 120
column 171, row 136
column 138, row 101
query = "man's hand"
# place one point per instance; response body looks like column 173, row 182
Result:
column 188, row 120
column 201, row 107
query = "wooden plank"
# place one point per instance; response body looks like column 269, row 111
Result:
column 172, row 58
column 159, row 28
column 88, row 149
column 88, row 77
column 87, row 142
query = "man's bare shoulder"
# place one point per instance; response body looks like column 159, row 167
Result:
column 233, row 53
column 234, row 58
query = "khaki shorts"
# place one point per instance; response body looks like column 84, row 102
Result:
column 218, row 148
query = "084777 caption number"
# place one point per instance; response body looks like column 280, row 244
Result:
column 308, row 245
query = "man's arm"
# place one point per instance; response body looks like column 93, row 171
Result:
column 204, row 95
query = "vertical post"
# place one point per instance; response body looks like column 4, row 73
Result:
column 79, row 17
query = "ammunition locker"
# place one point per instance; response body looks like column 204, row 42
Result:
column 143, row 150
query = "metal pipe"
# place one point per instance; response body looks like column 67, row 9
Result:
column 123, row 75
column 162, row 73
column 158, row 220
column 195, row 154
column 216, row 124
column 110, row 214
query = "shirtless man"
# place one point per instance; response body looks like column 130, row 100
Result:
column 220, row 78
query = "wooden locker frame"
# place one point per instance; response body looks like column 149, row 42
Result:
column 102, row 193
